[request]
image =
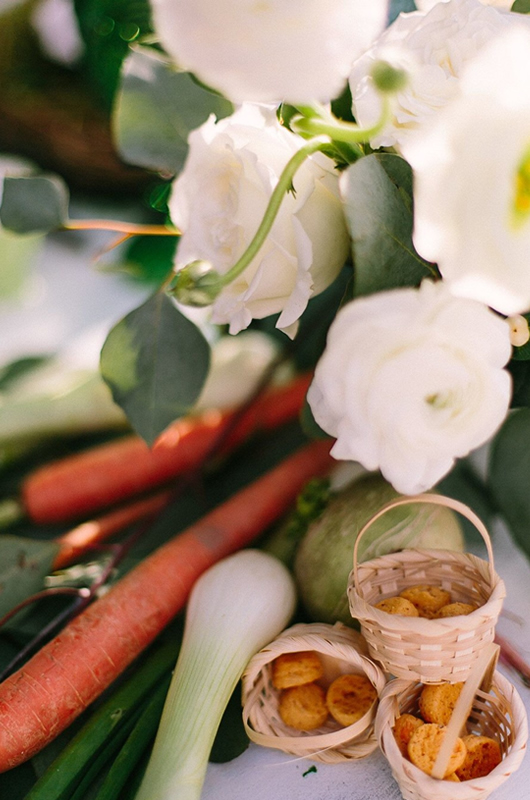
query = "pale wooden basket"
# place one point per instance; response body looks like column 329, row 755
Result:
column 342, row 650
column 414, row 648
column 496, row 710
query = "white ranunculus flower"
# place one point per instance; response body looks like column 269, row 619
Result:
column 219, row 199
column 267, row 51
column 434, row 46
column 410, row 380
column 472, row 180
column 426, row 5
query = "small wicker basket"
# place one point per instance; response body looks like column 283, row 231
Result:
column 414, row 648
column 342, row 650
column 495, row 710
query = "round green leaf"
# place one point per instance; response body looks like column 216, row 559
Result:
column 155, row 362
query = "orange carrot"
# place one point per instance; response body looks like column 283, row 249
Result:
column 68, row 673
column 78, row 540
column 107, row 474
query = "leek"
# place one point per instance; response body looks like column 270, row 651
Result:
column 236, row 607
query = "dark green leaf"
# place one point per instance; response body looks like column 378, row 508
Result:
column 520, row 372
column 11, row 372
column 155, row 362
column 24, row 563
column 378, row 207
column 107, row 28
column 155, row 110
column 509, row 475
column 521, row 6
column 34, row 204
column 150, row 258
column 399, row 6
column 231, row 739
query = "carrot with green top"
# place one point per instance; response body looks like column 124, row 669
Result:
column 43, row 697
column 113, row 472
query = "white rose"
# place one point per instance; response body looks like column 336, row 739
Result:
column 410, row 380
column 219, row 199
column 472, row 180
column 434, row 47
column 426, row 5
column 269, row 50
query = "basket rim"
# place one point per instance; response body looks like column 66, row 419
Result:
column 295, row 639
column 426, row 627
column 510, row 763
column 435, row 499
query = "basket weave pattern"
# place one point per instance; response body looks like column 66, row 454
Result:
column 342, row 650
column 499, row 714
column 418, row 649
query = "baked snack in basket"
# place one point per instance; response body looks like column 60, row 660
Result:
column 437, row 701
column 438, row 648
column 295, row 669
column 350, row 697
column 303, row 707
column 427, row 599
column 342, row 651
column 425, row 743
column 483, row 754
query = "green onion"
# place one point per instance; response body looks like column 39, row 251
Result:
column 236, row 607
column 95, row 737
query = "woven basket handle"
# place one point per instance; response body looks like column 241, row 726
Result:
column 480, row 677
column 435, row 499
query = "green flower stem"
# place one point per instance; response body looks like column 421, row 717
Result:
column 328, row 125
column 280, row 190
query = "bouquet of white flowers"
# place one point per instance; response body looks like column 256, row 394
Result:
column 336, row 149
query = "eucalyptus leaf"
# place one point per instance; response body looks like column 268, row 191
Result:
column 34, row 204
column 378, row 205
column 399, row 6
column 156, row 108
column 17, row 254
column 509, row 475
column 155, row 362
column 521, row 6
column 520, row 372
column 24, row 563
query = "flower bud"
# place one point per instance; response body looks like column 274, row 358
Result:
column 196, row 285
column 387, row 78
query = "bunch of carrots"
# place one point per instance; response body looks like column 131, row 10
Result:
column 65, row 676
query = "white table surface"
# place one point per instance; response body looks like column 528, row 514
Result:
column 67, row 295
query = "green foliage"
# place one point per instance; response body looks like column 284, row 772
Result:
column 399, row 6
column 378, row 205
column 19, row 368
column 311, row 502
column 150, row 258
column 508, row 473
column 17, row 254
column 520, row 372
column 155, row 110
column 521, row 6
column 24, row 563
column 231, row 739
column 34, row 204
column 155, row 362
column 107, row 28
